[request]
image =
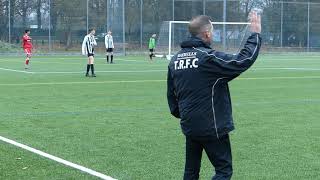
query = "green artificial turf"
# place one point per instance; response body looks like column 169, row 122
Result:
column 119, row 124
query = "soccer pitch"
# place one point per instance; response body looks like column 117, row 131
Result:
column 119, row 124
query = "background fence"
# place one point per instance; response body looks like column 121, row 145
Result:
column 58, row 26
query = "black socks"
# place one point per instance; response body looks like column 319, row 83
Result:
column 111, row 58
column 88, row 68
column 92, row 69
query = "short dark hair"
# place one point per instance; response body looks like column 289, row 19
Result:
column 91, row 29
column 198, row 24
column 27, row 30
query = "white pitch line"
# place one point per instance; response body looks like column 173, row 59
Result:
column 83, row 82
column 79, row 60
column 147, row 71
column 13, row 70
column 273, row 78
column 149, row 81
column 57, row 159
column 80, row 72
column 290, row 59
column 68, row 63
column 138, row 71
column 288, row 68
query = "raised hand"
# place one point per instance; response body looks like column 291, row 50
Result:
column 255, row 21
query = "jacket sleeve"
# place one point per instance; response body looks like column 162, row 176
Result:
column 171, row 96
column 84, row 52
column 232, row 65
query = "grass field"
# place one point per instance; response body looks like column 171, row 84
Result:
column 119, row 124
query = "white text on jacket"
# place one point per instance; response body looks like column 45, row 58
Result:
column 186, row 61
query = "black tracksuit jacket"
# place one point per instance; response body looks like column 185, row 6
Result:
column 197, row 85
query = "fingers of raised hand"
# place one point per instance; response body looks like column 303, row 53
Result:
column 253, row 17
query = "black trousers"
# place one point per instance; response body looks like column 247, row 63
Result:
column 218, row 152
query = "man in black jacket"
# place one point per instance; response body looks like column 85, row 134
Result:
column 198, row 94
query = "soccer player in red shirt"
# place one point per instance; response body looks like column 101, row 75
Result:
column 27, row 46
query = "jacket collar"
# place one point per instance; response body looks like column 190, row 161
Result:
column 194, row 42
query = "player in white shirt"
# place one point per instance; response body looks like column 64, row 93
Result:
column 108, row 41
column 88, row 44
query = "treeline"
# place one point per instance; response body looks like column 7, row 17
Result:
column 68, row 19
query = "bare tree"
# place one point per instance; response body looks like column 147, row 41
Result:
column 133, row 16
column 38, row 7
column 70, row 15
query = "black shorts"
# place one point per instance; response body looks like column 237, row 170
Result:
column 151, row 50
column 109, row 50
column 90, row 54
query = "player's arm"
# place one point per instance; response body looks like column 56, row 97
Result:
column 94, row 41
column 171, row 96
column 32, row 47
column 106, row 41
column 154, row 43
column 84, row 46
column 149, row 44
column 23, row 40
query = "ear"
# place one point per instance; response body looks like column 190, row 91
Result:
column 207, row 34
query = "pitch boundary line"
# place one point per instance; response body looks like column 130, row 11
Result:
column 147, row 81
column 38, row 60
column 13, row 70
column 111, row 71
column 83, row 82
column 66, row 58
column 81, row 72
column 147, row 71
column 272, row 78
column 57, row 159
column 81, row 63
column 287, row 68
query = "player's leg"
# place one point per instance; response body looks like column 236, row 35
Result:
column 151, row 53
column 27, row 62
column 88, row 65
column 111, row 55
column 91, row 61
column 28, row 57
column 107, row 54
column 219, row 153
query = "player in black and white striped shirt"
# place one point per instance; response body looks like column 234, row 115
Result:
column 108, row 41
column 88, row 44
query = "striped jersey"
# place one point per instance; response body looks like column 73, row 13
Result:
column 88, row 44
column 108, row 41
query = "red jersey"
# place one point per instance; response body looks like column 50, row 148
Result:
column 26, row 42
